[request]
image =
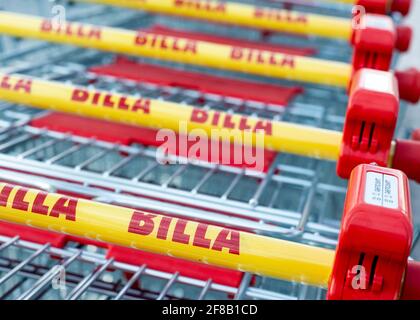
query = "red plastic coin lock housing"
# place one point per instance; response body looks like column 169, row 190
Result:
column 374, row 40
column 370, row 121
column 375, row 237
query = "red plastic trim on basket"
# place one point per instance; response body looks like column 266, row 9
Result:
column 8, row 229
column 204, row 83
column 198, row 271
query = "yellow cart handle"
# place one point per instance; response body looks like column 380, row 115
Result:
column 243, row 15
column 169, row 48
column 165, row 235
column 263, row 133
column 274, row 135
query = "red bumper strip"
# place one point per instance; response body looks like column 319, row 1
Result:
column 167, row 264
column 228, row 87
column 127, row 135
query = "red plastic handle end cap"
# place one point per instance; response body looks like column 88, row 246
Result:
column 401, row 6
column 404, row 36
column 411, row 287
column 407, row 158
column 409, row 84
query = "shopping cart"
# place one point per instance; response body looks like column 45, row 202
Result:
column 291, row 198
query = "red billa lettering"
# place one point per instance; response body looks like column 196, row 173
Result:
column 265, row 126
column 38, row 206
column 24, row 85
column 123, row 104
column 46, row 26
column 228, row 123
column 65, row 206
column 200, row 239
column 95, row 99
column 107, row 100
column 5, row 194
column 216, row 119
column 262, row 57
column 62, row 206
column 164, row 228
column 288, row 61
column 18, row 202
column 141, row 104
column 199, row 116
column 205, row 5
column 157, row 41
column 236, row 53
column 278, row 15
column 142, row 223
column 5, row 84
column 179, row 232
column 244, row 124
column 80, row 95
column 228, row 239
column 71, row 29
column 141, row 39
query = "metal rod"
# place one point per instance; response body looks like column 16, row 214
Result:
column 130, row 282
column 48, row 277
column 24, row 263
column 87, row 281
column 168, row 285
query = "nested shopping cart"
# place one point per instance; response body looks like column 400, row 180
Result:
column 291, row 197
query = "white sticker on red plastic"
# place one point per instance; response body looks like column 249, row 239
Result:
column 390, row 195
column 381, row 190
column 376, row 80
column 379, row 22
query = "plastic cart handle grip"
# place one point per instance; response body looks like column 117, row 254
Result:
column 401, row 6
column 409, row 84
column 404, row 35
column 407, row 158
column 411, row 287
